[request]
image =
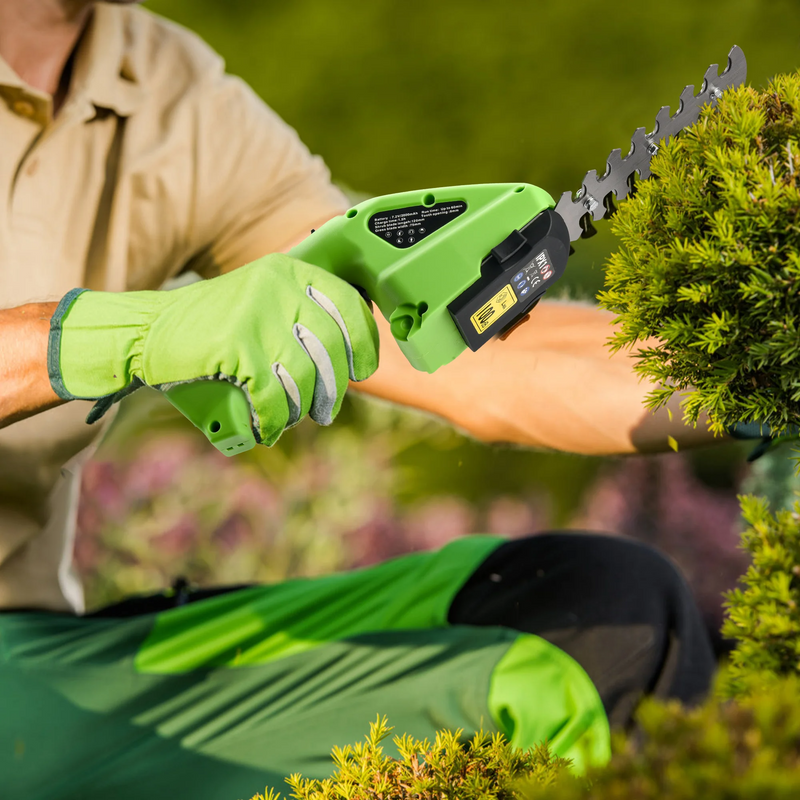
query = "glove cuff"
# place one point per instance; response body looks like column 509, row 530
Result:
column 54, row 344
column 96, row 340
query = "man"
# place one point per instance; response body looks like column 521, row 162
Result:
column 128, row 156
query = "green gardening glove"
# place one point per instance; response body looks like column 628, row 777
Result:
column 289, row 334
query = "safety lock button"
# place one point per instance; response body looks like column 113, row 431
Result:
column 514, row 242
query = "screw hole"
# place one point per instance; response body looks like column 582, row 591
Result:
column 422, row 308
column 520, row 189
column 428, row 200
column 351, row 213
column 214, row 427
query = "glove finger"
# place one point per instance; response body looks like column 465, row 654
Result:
column 270, row 407
column 292, row 391
column 354, row 319
column 330, row 383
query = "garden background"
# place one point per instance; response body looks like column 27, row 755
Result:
column 398, row 96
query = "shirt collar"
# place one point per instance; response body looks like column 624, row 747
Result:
column 104, row 73
column 8, row 77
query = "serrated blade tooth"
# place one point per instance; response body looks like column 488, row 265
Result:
column 572, row 211
column 662, row 123
column 640, row 155
column 686, row 99
column 593, row 194
column 613, row 162
column 736, row 69
column 712, row 73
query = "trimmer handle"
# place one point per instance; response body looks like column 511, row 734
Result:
column 449, row 268
column 220, row 409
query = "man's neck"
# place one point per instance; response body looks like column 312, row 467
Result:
column 37, row 38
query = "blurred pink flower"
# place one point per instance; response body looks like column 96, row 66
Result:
column 234, row 532
column 178, row 539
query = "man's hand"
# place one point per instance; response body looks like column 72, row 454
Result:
column 290, row 334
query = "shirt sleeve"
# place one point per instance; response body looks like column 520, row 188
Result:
column 258, row 188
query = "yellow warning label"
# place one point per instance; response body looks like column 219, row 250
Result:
column 494, row 309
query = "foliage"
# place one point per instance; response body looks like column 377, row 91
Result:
column 485, row 767
column 705, row 278
column 763, row 616
column 722, row 750
column 747, row 750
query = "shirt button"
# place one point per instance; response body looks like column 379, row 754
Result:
column 23, row 108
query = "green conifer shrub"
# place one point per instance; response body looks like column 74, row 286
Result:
column 484, row 767
column 723, row 750
column 763, row 615
column 705, row 279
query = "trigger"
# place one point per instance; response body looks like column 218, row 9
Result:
column 365, row 296
column 506, row 332
column 514, row 325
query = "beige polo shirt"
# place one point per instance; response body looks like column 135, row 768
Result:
column 157, row 162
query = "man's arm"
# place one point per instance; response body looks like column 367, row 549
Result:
column 553, row 383
column 24, row 383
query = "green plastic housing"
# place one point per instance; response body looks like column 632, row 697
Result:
column 220, row 409
column 412, row 286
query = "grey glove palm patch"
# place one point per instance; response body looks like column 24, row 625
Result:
column 291, row 391
column 325, row 384
column 326, row 304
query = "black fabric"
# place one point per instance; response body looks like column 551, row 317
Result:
column 618, row 607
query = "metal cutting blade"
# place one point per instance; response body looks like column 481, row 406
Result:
column 599, row 192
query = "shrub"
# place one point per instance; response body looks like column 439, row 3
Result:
column 763, row 616
column 705, row 278
column 747, row 750
column 723, row 750
column 485, row 767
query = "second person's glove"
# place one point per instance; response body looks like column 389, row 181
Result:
column 289, row 333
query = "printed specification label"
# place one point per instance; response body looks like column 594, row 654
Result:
column 490, row 312
column 530, row 277
column 404, row 227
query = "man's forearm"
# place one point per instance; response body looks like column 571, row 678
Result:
column 553, row 383
column 24, row 383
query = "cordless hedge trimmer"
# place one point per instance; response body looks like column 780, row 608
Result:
column 454, row 267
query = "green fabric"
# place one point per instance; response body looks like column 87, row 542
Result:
column 274, row 327
column 537, row 691
column 263, row 623
column 225, row 696
column 77, row 720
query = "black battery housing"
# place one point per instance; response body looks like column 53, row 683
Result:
column 518, row 270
